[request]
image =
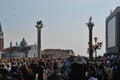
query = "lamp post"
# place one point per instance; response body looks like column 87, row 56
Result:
column 90, row 27
column 97, row 45
column 39, row 26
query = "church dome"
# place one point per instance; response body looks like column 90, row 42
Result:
column 23, row 42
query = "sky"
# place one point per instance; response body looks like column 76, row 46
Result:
column 64, row 22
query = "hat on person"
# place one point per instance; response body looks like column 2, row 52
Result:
column 59, row 74
column 80, row 60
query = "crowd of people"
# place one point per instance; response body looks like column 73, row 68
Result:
column 72, row 68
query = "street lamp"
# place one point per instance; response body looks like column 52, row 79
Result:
column 97, row 45
column 90, row 27
column 39, row 26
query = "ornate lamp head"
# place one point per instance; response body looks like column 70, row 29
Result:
column 99, row 45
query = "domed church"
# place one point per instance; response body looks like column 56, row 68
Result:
column 20, row 51
column 23, row 42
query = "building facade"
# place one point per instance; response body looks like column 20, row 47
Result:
column 113, row 32
column 57, row 53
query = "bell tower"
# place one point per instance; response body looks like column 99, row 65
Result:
column 1, row 39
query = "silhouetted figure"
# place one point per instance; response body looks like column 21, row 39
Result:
column 78, row 69
column 40, row 71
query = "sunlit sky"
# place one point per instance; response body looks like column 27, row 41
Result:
column 63, row 22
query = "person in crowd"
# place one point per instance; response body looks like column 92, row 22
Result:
column 3, row 72
column 78, row 69
column 29, row 74
column 40, row 70
column 52, row 76
column 34, row 67
column 66, row 68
